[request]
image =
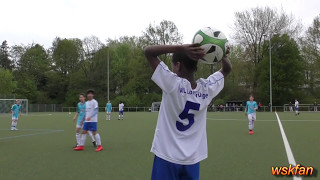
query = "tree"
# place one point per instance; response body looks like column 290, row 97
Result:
column 251, row 26
column 7, row 83
column 310, row 44
column 34, row 63
column 5, row 61
column 287, row 71
column 66, row 54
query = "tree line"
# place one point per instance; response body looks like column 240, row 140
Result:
column 59, row 73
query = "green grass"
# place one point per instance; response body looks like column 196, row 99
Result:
column 39, row 151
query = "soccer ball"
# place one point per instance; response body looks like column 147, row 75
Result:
column 214, row 42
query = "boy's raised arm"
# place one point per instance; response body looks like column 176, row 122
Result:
column 152, row 52
column 226, row 66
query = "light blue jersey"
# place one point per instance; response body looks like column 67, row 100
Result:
column 108, row 107
column 16, row 110
column 251, row 107
column 81, row 109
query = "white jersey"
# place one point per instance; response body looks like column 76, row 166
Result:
column 296, row 104
column 121, row 107
column 180, row 136
column 90, row 109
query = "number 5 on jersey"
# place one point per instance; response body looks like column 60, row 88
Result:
column 186, row 115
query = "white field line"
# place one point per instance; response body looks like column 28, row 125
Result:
column 287, row 147
column 48, row 131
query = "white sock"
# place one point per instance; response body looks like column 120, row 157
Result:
column 98, row 139
column 252, row 125
column 119, row 116
column 78, row 138
column 12, row 124
column 83, row 139
column 91, row 136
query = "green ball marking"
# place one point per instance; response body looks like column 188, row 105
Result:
column 211, row 40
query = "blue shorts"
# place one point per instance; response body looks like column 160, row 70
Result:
column 121, row 112
column 297, row 109
column 163, row 169
column 90, row 126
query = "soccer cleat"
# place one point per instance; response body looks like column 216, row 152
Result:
column 94, row 144
column 16, row 129
column 250, row 132
column 79, row 148
column 12, row 129
column 100, row 148
column 75, row 146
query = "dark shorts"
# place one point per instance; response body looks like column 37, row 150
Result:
column 121, row 112
column 163, row 170
column 90, row 126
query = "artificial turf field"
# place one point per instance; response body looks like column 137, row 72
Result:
column 42, row 148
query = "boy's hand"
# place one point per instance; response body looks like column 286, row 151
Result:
column 194, row 51
column 74, row 119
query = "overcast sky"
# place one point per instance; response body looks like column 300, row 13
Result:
column 40, row 21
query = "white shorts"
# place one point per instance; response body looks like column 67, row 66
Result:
column 252, row 117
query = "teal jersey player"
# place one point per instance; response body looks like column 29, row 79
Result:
column 251, row 106
column 81, row 108
column 16, row 108
column 108, row 107
column 108, row 110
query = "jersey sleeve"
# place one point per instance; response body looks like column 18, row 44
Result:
column 255, row 105
column 215, row 83
column 164, row 78
column 95, row 105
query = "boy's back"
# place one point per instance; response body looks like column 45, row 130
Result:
column 180, row 135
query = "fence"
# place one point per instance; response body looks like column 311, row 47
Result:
column 61, row 108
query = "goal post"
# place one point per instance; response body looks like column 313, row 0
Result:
column 6, row 105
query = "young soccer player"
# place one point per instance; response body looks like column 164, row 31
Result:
column 81, row 110
column 108, row 110
column 16, row 113
column 296, row 105
column 121, row 106
column 180, row 140
column 251, row 109
column 91, row 120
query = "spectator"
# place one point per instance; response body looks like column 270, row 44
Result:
column 315, row 106
column 269, row 105
column 259, row 106
column 227, row 109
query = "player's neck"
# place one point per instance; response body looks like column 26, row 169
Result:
column 191, row 79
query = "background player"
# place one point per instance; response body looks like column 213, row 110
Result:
column 16, row 113
column 91, row 121
column 121, row 106
column 250, row 110
column 108, row 110
column 180, row 140
column 81, row 110
column 296, row 106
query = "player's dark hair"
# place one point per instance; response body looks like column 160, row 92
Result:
column 82, row 94
column 183, row 58
column 90, row 91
